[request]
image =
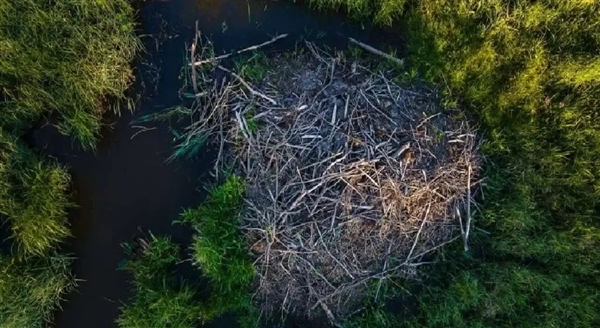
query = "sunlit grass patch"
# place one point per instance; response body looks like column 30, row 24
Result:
column 220, row 252
column 30, row 289
column 33, row 197
column 72, row 57
column 382, row 11
column 219, row 248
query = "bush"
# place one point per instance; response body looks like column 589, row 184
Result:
column 33, row 197
column 159, row 300
column 30, row 289
column 70, row 56
column 529, row 72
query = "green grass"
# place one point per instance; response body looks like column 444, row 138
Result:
column 221, row 253
column 381, row 11
column 33, row 198
column 33, row 205
column 30, row 289
column 528, row 72
column 253, row 125
column 71, row 57
column 159, row 301
column 253, row 67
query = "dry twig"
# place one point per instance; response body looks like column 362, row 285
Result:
column 376, row 51
column 252, row 48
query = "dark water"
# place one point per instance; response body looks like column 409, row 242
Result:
column 126, row 186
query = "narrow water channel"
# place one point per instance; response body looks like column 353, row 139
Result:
column 126, row 186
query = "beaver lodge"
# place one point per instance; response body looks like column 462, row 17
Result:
column 351, row 178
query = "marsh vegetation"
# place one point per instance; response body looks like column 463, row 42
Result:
column 160, row 300
column 528, row 74
column 69, row 58
column 522, row 249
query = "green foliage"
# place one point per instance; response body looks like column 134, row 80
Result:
column 383, row 11
column 159, row 300
column 33, row 197
column 30, row 289
column 529, row 72
column 508, row 295
column 253, row 67
column 71, row 56
column 252, row 124
column 374, row 317
column 188, row 148
column 219, row 250
column 376, row 313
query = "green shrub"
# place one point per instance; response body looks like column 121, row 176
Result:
column 70, row 56
column 30, row 289
column 220, row 252
column 159, row 299
column 33, row 197
column 528, row 71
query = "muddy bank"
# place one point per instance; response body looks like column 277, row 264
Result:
column 126, row 185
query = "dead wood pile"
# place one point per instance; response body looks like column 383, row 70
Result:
column 352, row 179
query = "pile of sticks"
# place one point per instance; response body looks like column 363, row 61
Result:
column 352, row 179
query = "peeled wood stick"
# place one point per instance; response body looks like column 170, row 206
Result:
column 412, row 249
column 192, row 56
column 252, row 91
column 201, row 62
column 376, row 52
column 468, row 227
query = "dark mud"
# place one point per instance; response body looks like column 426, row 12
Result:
column 126, row 187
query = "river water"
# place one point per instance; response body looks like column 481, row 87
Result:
column 126, row 186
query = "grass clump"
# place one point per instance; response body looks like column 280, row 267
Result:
column 33, row 197
column 382, row 11
column 33, row 204
column 253, row 67
column 72, row 57
column 529, row 72
column 30, row 289
column 219, row 251
column 159, row 300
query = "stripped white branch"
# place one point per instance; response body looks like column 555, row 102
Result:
column 376, row 52
column 255, row 47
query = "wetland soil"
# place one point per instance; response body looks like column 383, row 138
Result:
column 126, row 187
